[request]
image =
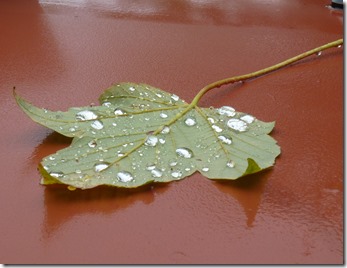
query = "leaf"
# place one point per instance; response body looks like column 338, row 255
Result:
column 140, row 134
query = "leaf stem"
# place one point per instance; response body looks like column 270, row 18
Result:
column 264, row 71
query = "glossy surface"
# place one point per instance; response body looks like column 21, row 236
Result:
column 60, row 54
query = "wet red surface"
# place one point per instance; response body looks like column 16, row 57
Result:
column 60, row 55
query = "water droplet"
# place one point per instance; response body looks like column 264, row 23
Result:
column 224, row 139
column 162, row 141
column 146, row 119
column 151, row 140
column 217, row 128
column 86, row 115
column 205, row 169
column 92, row 144
column 172, row 164
column 150, row 167
column 319, row 53
column 114, row 124
column 72, row 129
column 165, row 130
column 184, row 152
column 158, row 95
column 237, row 124
column 132, row 89
column 247, row 118
column 156, row 173
column 176, row 174
column 78, row 171
column 211, row 120
column 119, row 112
column 56, row 174
column 71, row 188
column 163, row 115
column 339, row 46
column 97, row 125
column 125, row 176
column 101, row 166
column 175, row 97
column 231, row 164
column 51, row 158
column 190, row 121
column 226, row 110
column 107, row 104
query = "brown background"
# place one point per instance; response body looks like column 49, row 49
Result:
column 63, row 55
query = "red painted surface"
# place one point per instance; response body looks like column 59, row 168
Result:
column 63, row 55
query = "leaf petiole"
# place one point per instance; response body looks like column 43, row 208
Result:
column 264, row 71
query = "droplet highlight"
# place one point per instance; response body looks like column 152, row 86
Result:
column 86, row 115
column 225, row 139
column 230, row 164
column 124, row 176
column 165, row 130
column 151, row 141
column 227, row 110
column 97, row 125
column 190, row 122
column 156, row 173
column 184, row 152
column 217, row 128
column 176, row 174
column 247, row 118
column 237, row 124
column 101, row 166
column 163, row 115
column 119, row 112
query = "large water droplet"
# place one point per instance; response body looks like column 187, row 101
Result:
column 107, row 104
column 225, row 139
column 150, row 167
column 86, row 115
column 56, row 174
column 163, row 115
column 237, row 124
column 247, row 118
column 156, row 173
column 151, row 140
column 175, row 97
column 190, row 122
column 231, row 164
column 125, row 176
column 176, row 174
column 226, row 110
column 211, row 120
column 101, row 166
column 165, row 130
column 97, row 125
column 184, row 152
column 119, row 112
column 217, row 128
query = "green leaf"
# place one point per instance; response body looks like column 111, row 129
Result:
column 140, row 134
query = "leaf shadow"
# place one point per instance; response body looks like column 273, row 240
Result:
column 62, row 205
column 248, row 191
